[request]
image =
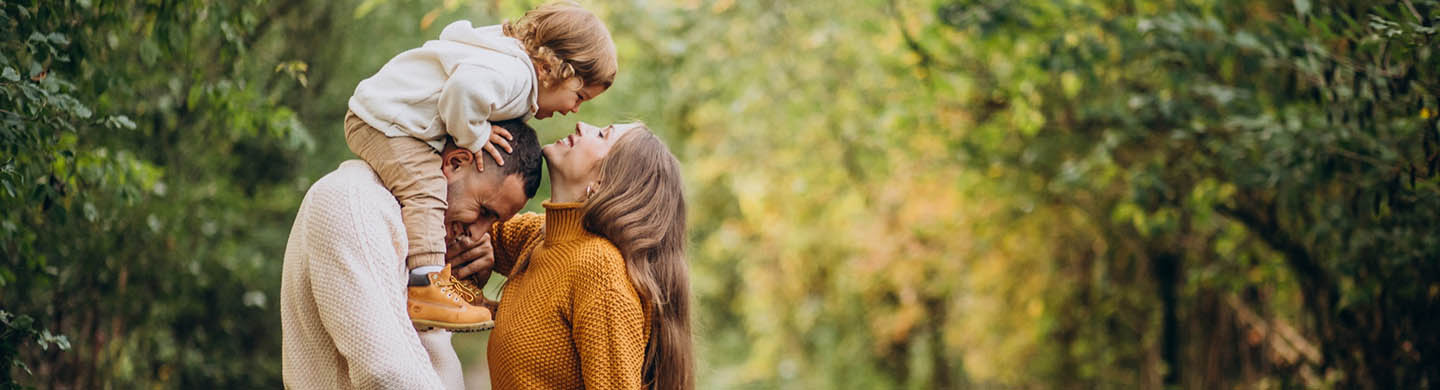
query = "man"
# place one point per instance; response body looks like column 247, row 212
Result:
column 343, row 294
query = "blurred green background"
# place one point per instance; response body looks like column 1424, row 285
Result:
column 905, row 194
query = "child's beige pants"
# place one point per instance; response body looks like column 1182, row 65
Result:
column 410, row 169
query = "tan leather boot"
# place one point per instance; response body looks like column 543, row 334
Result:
column 445, row 303
column 473, row 285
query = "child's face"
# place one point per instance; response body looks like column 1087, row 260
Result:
column 565, row 98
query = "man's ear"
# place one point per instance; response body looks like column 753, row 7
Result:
column 453, row 159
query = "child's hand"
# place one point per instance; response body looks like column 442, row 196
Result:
column 498, row 136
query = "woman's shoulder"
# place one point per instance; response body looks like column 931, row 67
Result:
column 598, row 263
column 597, row 254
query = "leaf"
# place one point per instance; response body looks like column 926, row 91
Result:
column 58, row 38
column 119, row 122
column 365, row 8
column 58, row 339
column 1246, row 40
column 1302, row 7
column 11, row 74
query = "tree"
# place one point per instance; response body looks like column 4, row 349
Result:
column 147, row 170
column 885, row 194
column 1312, row 127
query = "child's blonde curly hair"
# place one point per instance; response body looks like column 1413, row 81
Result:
column 565, row 41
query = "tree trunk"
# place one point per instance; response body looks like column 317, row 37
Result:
column 1166, row 271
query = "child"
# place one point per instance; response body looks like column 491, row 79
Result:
column 550, row 61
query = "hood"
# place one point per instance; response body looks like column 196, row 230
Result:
column 488, row 37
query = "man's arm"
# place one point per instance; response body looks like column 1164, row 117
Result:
column 510, row 238
column 351, row 254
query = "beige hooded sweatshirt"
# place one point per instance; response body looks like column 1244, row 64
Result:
column 455, row 86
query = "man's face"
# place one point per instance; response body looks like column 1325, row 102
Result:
column 478, row 200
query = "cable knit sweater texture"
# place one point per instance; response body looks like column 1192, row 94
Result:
column 342, row 294
column 571, row 318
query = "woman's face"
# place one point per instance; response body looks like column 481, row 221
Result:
column 577, row 157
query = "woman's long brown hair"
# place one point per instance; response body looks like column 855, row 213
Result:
column 640, row 207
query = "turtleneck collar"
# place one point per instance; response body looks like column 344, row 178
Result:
column 563, row 222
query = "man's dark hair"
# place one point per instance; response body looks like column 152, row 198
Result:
column 524, row 157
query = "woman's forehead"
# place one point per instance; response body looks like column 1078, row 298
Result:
column 619, row 129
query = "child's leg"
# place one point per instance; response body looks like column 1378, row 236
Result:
column 410, row 169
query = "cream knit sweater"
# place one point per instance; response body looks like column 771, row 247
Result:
column 342, row 295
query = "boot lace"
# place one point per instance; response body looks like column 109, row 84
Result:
column 454, row 286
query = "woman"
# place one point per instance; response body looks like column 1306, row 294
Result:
column 598, row 290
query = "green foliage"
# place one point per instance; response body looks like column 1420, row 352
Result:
column 1310, row 127
column 884, row 194
column 20, row 330
column 146, row 178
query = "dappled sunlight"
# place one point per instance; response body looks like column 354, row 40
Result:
column 881, row 194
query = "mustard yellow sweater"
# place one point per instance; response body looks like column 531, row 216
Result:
column 571, row 318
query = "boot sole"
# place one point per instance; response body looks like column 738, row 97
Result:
column 425, row 325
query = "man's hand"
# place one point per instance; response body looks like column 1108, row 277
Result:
column 468, row 256
column 498, row 137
